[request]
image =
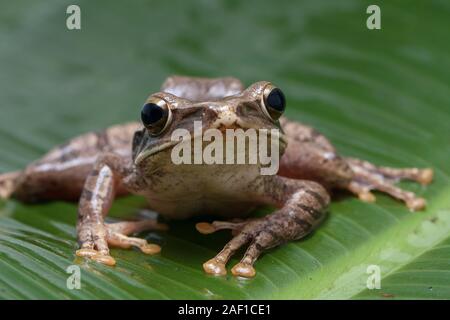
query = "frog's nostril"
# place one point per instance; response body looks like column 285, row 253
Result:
column 226, row 118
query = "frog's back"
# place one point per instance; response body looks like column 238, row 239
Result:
column 202, row 89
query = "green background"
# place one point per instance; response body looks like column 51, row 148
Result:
column 381, row 95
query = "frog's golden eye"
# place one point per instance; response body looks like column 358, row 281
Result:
column 273, row 102
column 156, row 115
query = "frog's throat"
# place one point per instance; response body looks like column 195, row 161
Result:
column 144, row 155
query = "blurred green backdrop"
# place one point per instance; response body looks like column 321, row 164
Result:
column 382, row 95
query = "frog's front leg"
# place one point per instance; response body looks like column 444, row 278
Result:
column 301, row 205
column 109, row 172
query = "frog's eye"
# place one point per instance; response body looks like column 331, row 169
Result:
column 273, row 102
column 155, row 116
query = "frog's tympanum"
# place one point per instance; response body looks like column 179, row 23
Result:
column 135, row 158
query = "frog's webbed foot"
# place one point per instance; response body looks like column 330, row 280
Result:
column 96, row 239
column 370, row 177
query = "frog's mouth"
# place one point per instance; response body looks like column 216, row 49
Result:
column 281, row 139
column 150, row 152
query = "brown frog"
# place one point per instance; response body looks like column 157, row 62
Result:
column 97, row 167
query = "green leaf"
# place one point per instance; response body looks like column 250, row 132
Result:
column 380, row 95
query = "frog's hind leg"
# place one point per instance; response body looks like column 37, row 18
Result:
column 60, row 174
column 369, row 177
column 309, row 155
column 45, row 181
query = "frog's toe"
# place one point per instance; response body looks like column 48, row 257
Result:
column 118, row 234
column 129, row 227
column 369, row 177
column 411, row 200
column 261, row 236
column 215, row 267
column 8, row 182
column 104, row 259
column 207, row 228
column 243, row 270
column 96, row 256
column 425, row 176
column 262, row 240
column 120, row 240
column 150, row 248
column 362, row 192
column 416, row 204
column 93, row 243
column 86, row 252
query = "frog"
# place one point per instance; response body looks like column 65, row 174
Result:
column 95, row 168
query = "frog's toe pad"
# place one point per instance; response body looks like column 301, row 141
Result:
column 8, row 183
column 425, row 176
column 96, row 256
column 104, row 259
column 150, row 248
column 416, row 204
column 243, row 270
column 205, row 228
column 215, row 267
column 367, row 196
column 86, row 253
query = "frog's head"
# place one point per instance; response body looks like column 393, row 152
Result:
column 258, row 107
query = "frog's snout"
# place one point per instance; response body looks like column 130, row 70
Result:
column 226, row 118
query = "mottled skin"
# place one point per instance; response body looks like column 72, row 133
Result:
column 97, row 167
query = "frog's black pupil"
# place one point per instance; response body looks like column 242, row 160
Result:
column 151, row 113
column 276, row 100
